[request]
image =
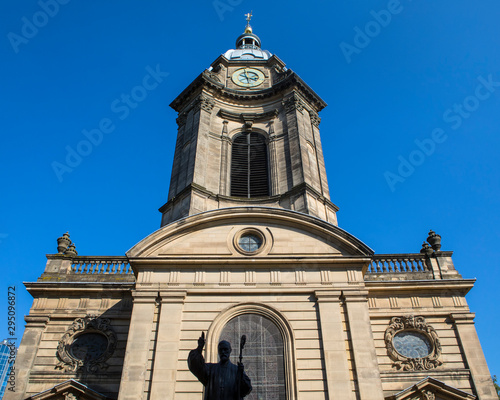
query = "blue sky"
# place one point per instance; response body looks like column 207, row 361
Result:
column 411, row 133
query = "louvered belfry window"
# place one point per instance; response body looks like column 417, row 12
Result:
column 249, row 172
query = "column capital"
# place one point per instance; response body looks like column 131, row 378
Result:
column 167, row 296
column 144, row 297
column 352, row 296
column 328, row 295
column 463, row 318
column 36, row 321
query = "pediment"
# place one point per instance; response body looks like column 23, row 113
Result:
column 69, row 390
column 214, row 233
column 431, row 389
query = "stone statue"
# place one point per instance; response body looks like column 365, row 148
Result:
column 224, row 380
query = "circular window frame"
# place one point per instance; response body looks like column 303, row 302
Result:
column 411, row 323
column 88, row 324
column 249, row 231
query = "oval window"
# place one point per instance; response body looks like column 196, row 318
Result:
column 412, row 344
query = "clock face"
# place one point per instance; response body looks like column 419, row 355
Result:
column 248, row 77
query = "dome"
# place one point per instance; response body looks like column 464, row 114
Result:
column 247, row 54
column 247, row 47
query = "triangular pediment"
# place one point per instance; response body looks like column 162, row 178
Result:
column 215, row 234
column 431, row 389
column 69, row 390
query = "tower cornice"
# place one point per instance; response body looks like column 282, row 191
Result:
column 207, row 81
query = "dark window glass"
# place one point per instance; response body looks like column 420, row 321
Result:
column 412, row 344
column 249, row 242
column 262, row 356
column 89, row 346
column 249, row 172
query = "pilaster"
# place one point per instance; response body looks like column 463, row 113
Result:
column 363, row 347
column 224, row 161
column 334, row 346
column 467, row 336
column 35, row 325
column 293, row 107
column 136, row 363
column 167, row 345
column 203, row 109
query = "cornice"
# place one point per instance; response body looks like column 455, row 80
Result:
column 243, row 117
column 205, row 80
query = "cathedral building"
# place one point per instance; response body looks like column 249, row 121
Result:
column 249, row 245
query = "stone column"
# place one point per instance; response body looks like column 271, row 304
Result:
column 224, row 161
column 135, row 365
column 467, row 336
column 35, row 325
column 334, row 346
column 363, row 346
column 273, row 161
column 167, row 346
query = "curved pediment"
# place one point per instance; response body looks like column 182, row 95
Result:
column 218, row 233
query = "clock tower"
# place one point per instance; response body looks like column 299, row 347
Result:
column 249, row 245
column 248, row 136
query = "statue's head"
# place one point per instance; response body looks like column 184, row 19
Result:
column 224, row 350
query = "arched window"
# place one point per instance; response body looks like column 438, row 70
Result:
column 249, row 171
column 263, row 355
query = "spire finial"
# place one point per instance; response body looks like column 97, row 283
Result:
column 248, row 28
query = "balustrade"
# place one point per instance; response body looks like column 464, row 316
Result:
column 100, row 265
column 397, row 263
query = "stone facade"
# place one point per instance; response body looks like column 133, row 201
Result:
column 121, row 327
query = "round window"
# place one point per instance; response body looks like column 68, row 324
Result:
column 89, row 346
column 412, row 344
column 249, row 242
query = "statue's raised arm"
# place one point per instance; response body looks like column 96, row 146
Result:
column 222, row 381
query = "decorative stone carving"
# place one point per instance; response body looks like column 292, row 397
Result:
column 214, row 76
column 63, row 242
column 70, row 396
column 71, row 251
column 412, row 325
column 426, row 249
column 315, row 119
column 204, row 103
column 181, row 119
column 434, row 240
column 426, row 394
column 293, row 103
column 86, row 345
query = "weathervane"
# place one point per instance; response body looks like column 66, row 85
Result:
column 248, row 28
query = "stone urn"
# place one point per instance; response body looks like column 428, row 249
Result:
column 63, row 243
column 426, row 249
column 434, row 240
column 71, row 251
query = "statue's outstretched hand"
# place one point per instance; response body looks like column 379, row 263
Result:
column 201, row 341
